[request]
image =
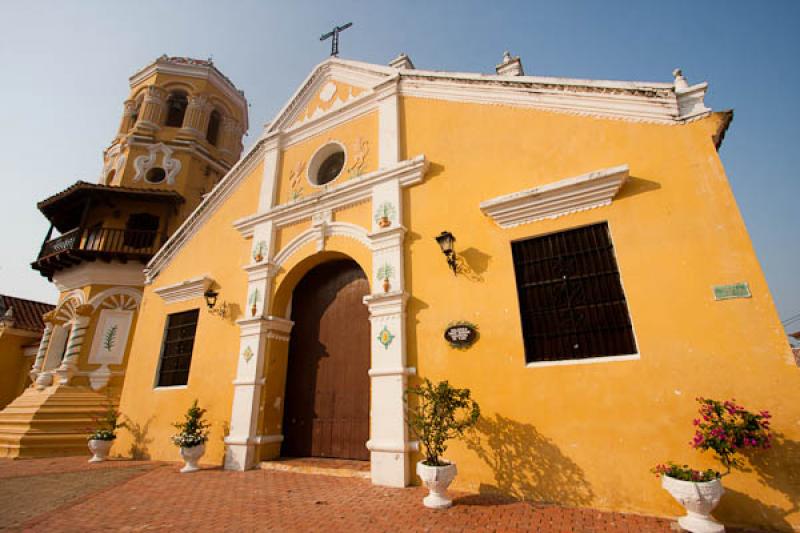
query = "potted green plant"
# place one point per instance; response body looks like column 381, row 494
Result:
column 258, row 251
column 726, row 429
column 192, row 437
column 102, row 436
column 441, row 412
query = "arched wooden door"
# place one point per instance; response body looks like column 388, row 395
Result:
column 326, row 411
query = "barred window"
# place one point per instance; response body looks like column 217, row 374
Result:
column 176, row 352
column 570, row 297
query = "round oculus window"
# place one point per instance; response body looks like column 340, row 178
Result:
column 326, row 164
column 155, row 175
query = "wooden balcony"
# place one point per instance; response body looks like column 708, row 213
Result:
column 78, row 245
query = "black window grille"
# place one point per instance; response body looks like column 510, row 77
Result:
column 176, row 353
column 570, row 297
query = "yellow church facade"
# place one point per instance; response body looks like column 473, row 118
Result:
column 599, row 279
column 586, row 367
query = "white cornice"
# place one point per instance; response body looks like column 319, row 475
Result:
column 99, row 273
column 553, row 200
column 350, row 192
column 655, row 102
column 185, row 290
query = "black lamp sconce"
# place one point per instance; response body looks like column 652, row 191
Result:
column 211, row 301
column 446, row 241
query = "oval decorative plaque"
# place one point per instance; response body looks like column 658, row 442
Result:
column 461, row 335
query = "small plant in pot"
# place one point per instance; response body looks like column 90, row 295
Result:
column 192, row 437
column 102, row 437
column 727, row 429
column 441, row 413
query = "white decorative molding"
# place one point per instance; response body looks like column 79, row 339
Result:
column 553, row 200
column 185, row 290
column 99, row 273
column 65, row 310
column 117, row 298
column 353, row 191
column 341, row 229
column 327, row 91
column 143, row 163
column 510, row 66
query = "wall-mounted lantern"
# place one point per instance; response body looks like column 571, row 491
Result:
column 446, row 240
column 211, row 301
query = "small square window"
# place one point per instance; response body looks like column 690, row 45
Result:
column 570, row 296
column 176, row 351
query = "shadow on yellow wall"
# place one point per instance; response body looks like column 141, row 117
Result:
column 139, row 439
column 779, row 469
column 526, row 465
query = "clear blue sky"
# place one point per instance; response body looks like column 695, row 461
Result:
column 65, row 67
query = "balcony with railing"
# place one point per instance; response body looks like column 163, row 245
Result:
column 107, row 244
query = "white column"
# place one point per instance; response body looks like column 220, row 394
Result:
column 74, row 343
column 388, row 123
column 389, row 442
column 38, row 363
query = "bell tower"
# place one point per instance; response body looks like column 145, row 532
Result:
column 181, row 130
column 180, row 133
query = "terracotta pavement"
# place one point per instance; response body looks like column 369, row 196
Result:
column 67, row 494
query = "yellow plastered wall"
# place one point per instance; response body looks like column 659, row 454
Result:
column 14, row 366
column 581, row 435
column 219, row 251
column 587, row 435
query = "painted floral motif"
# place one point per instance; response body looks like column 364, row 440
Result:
column 385, row 337
column 296, row 181
column 386, row 273
column 358, row 157
column 385, row 214
column 247, row 354
column 110, row 338
column 253, row 301
column 258, row 251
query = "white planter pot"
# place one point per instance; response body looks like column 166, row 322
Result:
column 191, row 456
column 699, row 499
column 99, row 449
column 437, row 479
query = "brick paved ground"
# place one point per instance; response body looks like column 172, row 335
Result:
column 68, row 495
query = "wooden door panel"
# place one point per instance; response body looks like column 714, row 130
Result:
column 326, row 413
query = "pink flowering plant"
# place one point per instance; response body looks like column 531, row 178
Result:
column 727, row 429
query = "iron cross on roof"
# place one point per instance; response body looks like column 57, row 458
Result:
column 335, row 34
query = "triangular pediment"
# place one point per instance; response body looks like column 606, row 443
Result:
column 331, row 85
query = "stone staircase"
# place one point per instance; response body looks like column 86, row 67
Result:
column 53, row 422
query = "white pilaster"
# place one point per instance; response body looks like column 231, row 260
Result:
column 256, row 333
column 388, row 123
column 269, row 181
column 389, row 444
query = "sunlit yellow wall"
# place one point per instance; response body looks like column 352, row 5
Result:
column 587, row 435
column 582, row 435
column 219, row 251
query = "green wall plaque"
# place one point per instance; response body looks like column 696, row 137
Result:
column 736, row 290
